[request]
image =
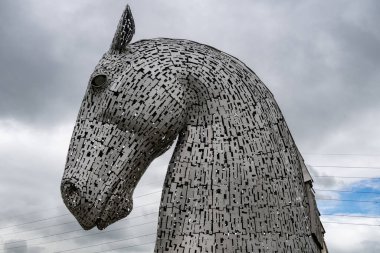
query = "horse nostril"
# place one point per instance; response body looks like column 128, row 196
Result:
column 70, row 194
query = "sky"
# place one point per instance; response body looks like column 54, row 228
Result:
column 320, row 59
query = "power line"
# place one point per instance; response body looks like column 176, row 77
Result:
column 34, row 221
column 93, row 245
column 55, row 225
column 153, row 234
column 77, row 230
column 76, row 237
column 104, row 243
column 353, row 216
column 345, row 167
column 131, row 246
column 148, row 194
column 348, row 223
column 154, row 182
column 37, row 211
column 118, row 229
column 351, row 200
column 361, row 192
column 340, row 154
column 126, row 247
column 62, row 206
column 347, row 177
column 161, row 191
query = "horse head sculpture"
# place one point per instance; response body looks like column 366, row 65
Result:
column 235, row 180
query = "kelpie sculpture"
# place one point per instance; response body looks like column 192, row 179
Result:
column 235, row 181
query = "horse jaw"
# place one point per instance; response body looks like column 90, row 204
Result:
column 90, row 190
column 100, row 178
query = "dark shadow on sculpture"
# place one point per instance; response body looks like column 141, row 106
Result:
column 235, row 182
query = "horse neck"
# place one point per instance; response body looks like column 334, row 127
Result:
column 227, row 160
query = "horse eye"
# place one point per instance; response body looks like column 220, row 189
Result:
column 99, row 81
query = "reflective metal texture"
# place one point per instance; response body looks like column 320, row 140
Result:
column 235, row 181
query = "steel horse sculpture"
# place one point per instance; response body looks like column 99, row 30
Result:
column 235, row 182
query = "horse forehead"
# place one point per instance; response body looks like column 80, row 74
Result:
column 113, row 62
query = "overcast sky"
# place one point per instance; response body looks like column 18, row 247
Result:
column 321, row 60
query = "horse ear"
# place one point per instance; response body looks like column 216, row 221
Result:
column 124, row 32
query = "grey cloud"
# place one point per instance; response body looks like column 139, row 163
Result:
column 22, row 244
column 328, row 72
column 76, row 237
column 320, row 59
column 23, row 248
column 27, row 68
column 371, row 246
column 45, row 64
column 323, row 182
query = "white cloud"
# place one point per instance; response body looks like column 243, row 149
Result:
column 346, row 238
column 32, row 164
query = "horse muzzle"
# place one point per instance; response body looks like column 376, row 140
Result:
column 95, row 207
